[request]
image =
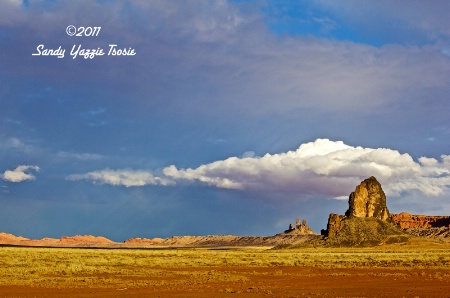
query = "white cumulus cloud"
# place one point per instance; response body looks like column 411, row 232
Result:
column 123, row 177
column 323, row 168
column 20, row 174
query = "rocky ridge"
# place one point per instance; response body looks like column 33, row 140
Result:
column 406, row 220
column 143, row 241
column 72, row 241
column 233, row 241
column 174, row 241
column 441, row 233
column 299, row 234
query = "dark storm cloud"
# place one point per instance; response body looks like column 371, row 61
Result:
column 209, row 49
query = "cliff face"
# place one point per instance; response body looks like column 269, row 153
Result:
column 334, row 225
column 368, row 200
column 413, row 221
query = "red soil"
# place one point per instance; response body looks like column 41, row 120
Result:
column 275, row 282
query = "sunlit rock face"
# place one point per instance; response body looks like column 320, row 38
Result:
column 416, row 221
column 334, row 225
column 367, row 219
column 368, row 200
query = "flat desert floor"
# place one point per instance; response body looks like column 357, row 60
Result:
column 391, row 271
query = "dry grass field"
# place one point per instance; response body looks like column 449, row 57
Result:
column 416, row 270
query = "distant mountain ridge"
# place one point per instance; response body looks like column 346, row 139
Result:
column 74, row 241
column 367, row 222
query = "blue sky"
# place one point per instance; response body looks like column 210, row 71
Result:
column 233, row 117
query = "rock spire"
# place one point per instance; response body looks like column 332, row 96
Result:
column 368, row 200
column 367, row 220
column 299, row 228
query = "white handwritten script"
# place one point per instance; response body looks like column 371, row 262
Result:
column 86, row 53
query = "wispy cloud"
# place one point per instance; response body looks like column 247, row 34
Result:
column 5, row 189
column 92, row 116
column 18, row 145
column 79, row 156
column 216, row 141
column 20, row 174
column 94, row 112
column 13, row 121
column 124, row 177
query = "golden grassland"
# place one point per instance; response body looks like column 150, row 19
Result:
column 134, row 268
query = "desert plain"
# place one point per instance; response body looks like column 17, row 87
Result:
column 416, row 268
column 367, row 252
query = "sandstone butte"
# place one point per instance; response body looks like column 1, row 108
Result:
column 366, row 222
column 367, row 201
column 368, row 219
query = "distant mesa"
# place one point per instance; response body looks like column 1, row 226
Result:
column 413, row 221
column 65, row 241
column 138, row 241
column 86, row 239
column 9, row 238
